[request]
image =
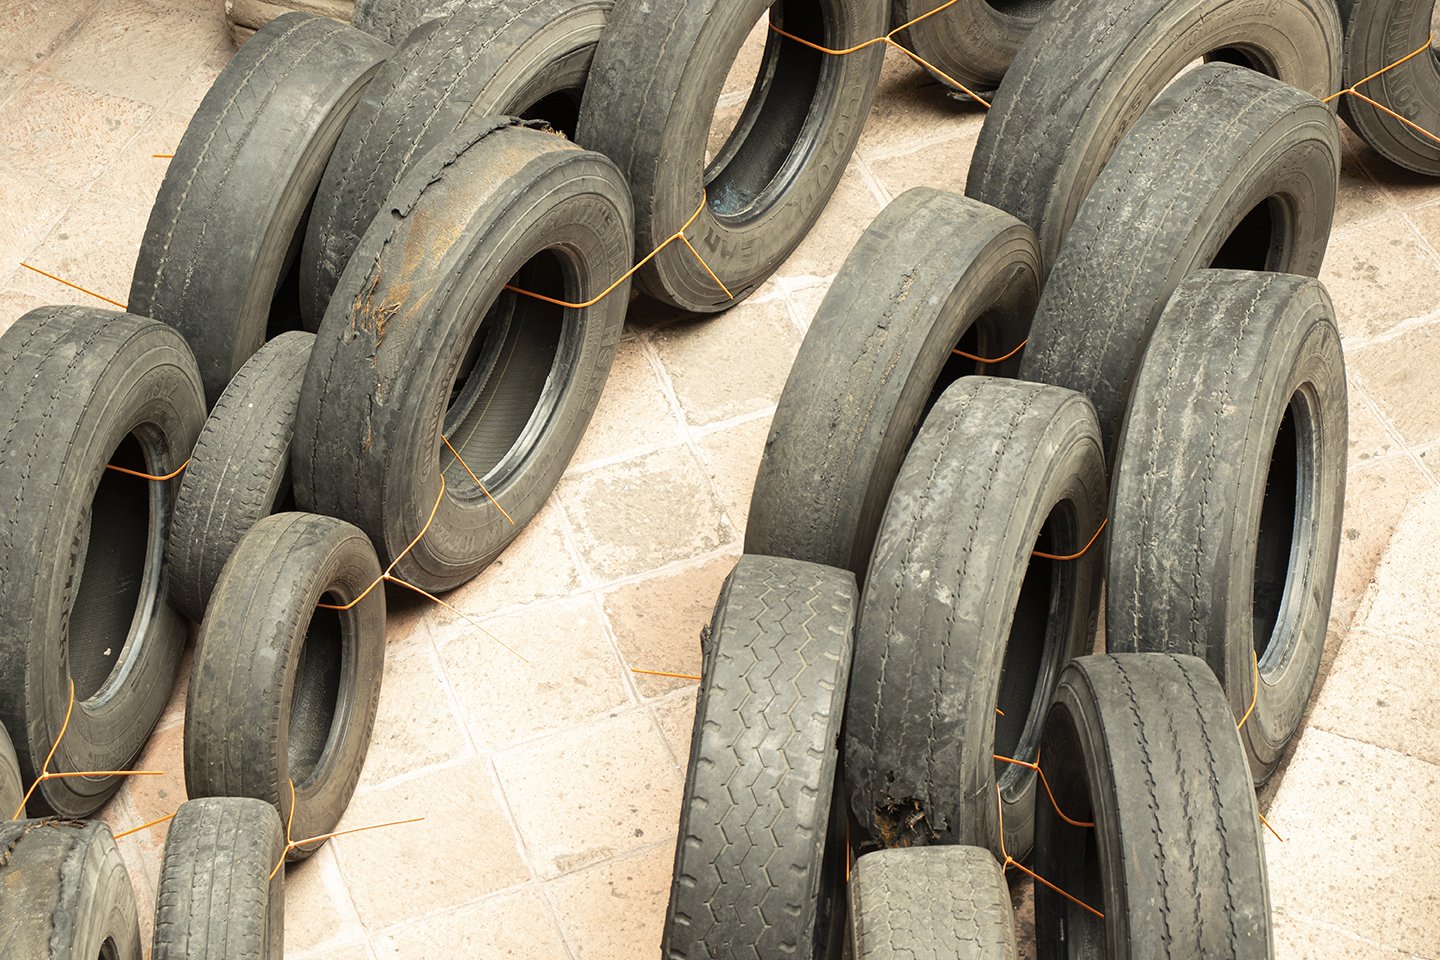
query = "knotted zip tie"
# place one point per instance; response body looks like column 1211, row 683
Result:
column 1073, row 556
column 1352, row 91
column 295, row 844
column 1008, row 861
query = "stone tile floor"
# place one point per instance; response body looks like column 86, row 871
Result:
column 550, row 787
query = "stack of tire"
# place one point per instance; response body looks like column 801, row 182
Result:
column 908, row 662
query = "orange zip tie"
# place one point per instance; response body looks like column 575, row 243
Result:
column 145, row 826
column 162, row 156
column 149, row 476
column 45, row 773
column 971, row 356
column 292, row 844
column 477, row 480
column 662, row 673
column 677, row 235
column 1352, row 91
column 889, row 39
column 1036, row 767
column 1254, row 694
column 1010, row 861
column 1073, row 556
column 1270, row 828
column 73, row 286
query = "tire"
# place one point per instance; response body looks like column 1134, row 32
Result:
column 1377, row 34
column 281, row 690
column 392, row 20
column 1260, row 195
column 931, row 903
column 240, row 470
column 217, row 900
column 1234, row 557
column 82, row 595
column 1144, row 745
column 932, row 273
column 378, row 391
column 12, row 787
column 67, row 895
column 224, row 234
column 769, row 183
column 760, row 866
column 959, row 623
column 502, row 57
column 1057, row 116
column 974, row 41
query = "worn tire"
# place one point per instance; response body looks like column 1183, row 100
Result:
column 392, row 20
column 379, row 390
column 67, row 894
column 933, row 272
column 239, row 471
column 959, row 622
column 1259, row 195
column 1233, row 557
column 84, row 388
column 1144, row 746
column 931, row 903
column 12, row 787
column 974, row 41
column 224, row 234
column 761, row 860
column 217, row 900
column 1058, row 116
column 498, row 57
column 768, row 184
column 1377, row 34
column 279, row 689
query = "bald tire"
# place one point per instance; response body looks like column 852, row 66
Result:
column 12, row 788
column 931, row 903
column 972, row 42
column 1379, row 33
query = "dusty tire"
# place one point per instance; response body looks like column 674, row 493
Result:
column 84, row 388
column 933, row 272
column 1377, row 34
column 1233, row 558
column 281, row 690
column 974, row 41
column 769, row 183
column 1058, row 116
column 217, row 900
column 392, row 20
column 12, row 787
column 67, row 895
column 537, row 209
column 239, row 471
column 1260, row 195
column 959, row 621
column 760, row 864
column 224, row 234
column 1144, row 746
column 500, row 57
column 931, row 903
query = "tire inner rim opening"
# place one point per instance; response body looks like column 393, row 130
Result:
column 315, row 695
column 1282, row 545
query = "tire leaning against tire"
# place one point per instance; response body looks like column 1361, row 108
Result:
column 933, row 272
column 217, row 899
column 760, row 864
column 393, row 20
column 769, row 183
column 972, row 42
column 1378, row 33
column 1244, row 539
column 239, row 471
column 67, row 894
column 373, row 411
column 82, row 593
column 500, row 57
column 963, row 633
column 1178, row 196
column 1057, row 117
column 929, row 903
column 226, row 227
column 281, row 691
column 1144, row 746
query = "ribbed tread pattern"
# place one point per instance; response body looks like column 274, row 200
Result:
column 931, row 903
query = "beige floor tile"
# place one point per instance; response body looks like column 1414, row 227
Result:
column 1379, row 274
column 151, row 798
column 415, row 727
column 1297, row 939
column 199, row 80
column 1369, row 439
column 515, row 925
column 357, row 950
column 67, row 135
column 318, row 910
column 730, row 365
column 910, row 106
column 732, row 457
column 1398, row 374
column 132, row 179
column 536, row 566
column 943, row 165
column 828, row 243
column 640, row 514
column 9, row 83
column 633, row 413
column 463, row 850
column 658, row 620
column 1360, row 198
column 1404, row 187
column 31, row 29
column 570, row 673
column 31, row 209
column 1405, row 599
column 94, row 245
column 676, row 716
column 1375, row 498
column 1381, row 690
column 616, row 911
column 592, row 794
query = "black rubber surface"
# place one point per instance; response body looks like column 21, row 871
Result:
column 963, row 632
column 931, row 903
column 760, row 864
column 393, row 20
column 281, row 691
column 12, row 788
column 1379, row 33
column 1233, row 558
column 932, row 273
column 425, row 343
column 1228, row 168
column 651, row 113
column 971, row 42
column 216, row 899
column 239, row 471
column 225, row 230
column 82, row 596
column 1144, row 746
